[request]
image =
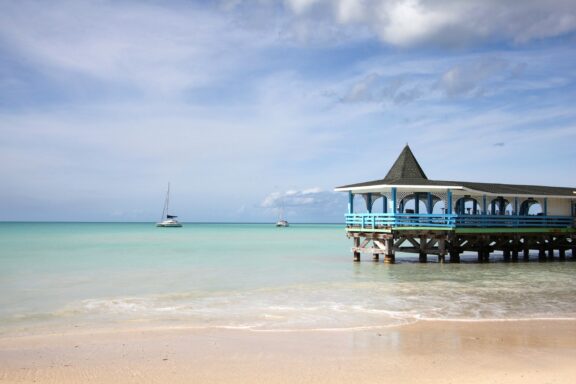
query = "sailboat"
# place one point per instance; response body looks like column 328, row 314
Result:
column 282, row 222
column 168, row 220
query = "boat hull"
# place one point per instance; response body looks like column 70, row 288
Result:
column 169, row 224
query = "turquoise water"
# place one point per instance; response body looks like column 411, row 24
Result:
column 63, row 276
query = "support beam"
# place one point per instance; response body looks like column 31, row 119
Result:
column 394, row 201
column 449, row 207
column 356, row 246
column 350, row 202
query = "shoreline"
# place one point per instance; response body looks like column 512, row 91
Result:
column 503, row 351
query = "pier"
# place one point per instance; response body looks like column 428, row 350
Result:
column 409, row 213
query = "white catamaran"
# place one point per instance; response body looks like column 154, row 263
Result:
column 282, row 222
column 167, row 219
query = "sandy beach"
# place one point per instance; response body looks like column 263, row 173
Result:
column 424, row 352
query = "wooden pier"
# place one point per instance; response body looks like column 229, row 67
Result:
column 447, row 218
column 449, row 245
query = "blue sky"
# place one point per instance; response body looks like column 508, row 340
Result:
column 245, row 104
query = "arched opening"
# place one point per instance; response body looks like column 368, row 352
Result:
column 417, row 203
column 358, row 202
column 467, row 206
column 531, row 207
column 439, row 207
column 498, row 206
column 379, row 203
column 373, row 202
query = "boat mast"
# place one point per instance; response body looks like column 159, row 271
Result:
column 166, row 201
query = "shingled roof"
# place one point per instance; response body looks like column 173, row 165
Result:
column 405, row 167
column 407, row 171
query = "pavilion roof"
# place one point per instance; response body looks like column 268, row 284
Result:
column 406, row 171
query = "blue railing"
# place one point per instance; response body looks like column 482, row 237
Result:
column 383, row 220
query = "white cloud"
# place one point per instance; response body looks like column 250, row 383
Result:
column 314, row 198
column 453, row 22
column 475, row 76
column 157, row 49
column 408, row 22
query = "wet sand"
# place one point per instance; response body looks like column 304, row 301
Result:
column 424, row 352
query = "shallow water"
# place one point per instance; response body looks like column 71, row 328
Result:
column 60, row 276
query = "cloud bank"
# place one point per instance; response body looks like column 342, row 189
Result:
column 407, row 23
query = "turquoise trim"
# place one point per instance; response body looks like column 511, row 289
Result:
column 350, row 202
column 375, row 220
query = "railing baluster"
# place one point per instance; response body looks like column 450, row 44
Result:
column 454, row 220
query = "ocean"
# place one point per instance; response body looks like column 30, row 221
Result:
column 85, row 277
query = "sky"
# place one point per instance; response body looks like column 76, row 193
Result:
column 246, row 106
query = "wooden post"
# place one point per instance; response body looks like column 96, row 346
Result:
column 506, row 253
column 454, row 256
column 442, row 248
column 541, row 253
column 375, row 254
column 562, row 253
column 356, row 246
column 526, row 248
column 551, row 248
column 389, row 257
column 423, row 256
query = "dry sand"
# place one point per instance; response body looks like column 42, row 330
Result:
column 426, row 352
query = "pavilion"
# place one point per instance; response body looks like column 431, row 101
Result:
column 407, row 212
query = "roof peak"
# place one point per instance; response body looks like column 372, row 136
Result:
column 405, row 167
